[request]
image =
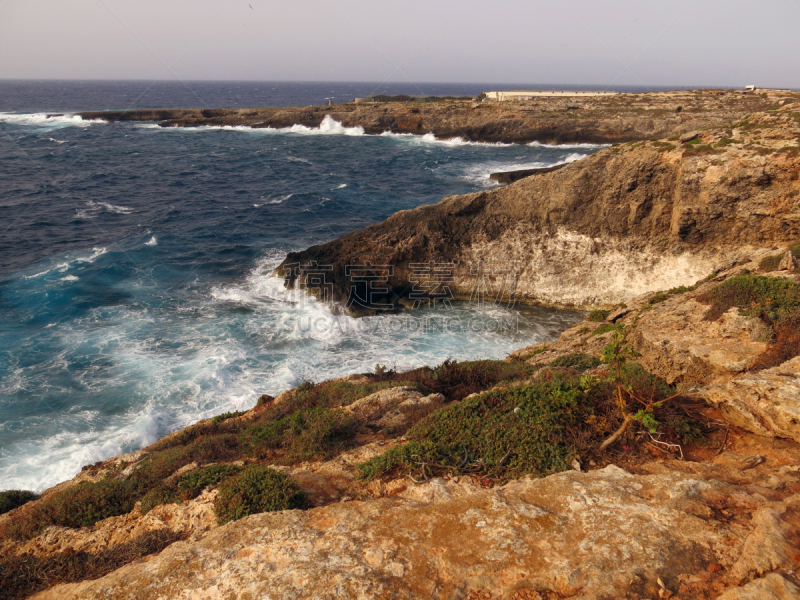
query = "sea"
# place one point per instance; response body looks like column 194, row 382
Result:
column 137, row 292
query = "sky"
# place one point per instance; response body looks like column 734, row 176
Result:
column 710, row 43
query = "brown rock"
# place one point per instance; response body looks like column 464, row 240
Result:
column 591, row 535
column 771, row 587
column 391, row 408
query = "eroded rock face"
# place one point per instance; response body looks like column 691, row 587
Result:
column 390, row 409
column 604, row 534
column 600, row 231
column 710, row 359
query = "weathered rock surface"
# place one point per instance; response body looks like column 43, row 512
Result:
column 390, row 408
column 604, row 534
column 771, row 587
column 709, row 359
column 600, row 231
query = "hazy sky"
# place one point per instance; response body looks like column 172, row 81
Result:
column 729, row 43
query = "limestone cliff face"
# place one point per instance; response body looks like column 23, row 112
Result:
column 624, row 221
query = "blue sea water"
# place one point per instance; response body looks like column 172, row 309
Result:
column 136, row 286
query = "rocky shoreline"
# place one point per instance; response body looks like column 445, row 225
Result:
column 593, row 120
column 651, row 452
column 633, row 218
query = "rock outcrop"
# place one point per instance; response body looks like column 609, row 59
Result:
column 602, row 230
column 603, row 534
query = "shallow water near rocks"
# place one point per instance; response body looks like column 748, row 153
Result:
column 136, row 287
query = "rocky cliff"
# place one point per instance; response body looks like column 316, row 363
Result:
column 488, row 480
column 664, row 513
column 629, row 219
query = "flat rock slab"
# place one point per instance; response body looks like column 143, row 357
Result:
column 604, row 534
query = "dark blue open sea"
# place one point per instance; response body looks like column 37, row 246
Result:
column 136, row 294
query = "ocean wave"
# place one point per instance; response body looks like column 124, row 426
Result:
column 569, row 146
column 153, row 241
column 46, row 120
column 479, row 174
column 94, row 208
column 73, row 259
column 277, row 200
column 431, row 139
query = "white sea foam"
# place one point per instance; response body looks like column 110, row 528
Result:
column 94, row 208
column 153, row 241
column 568, row 146
column 207, row 356
column 431, row 139
column 279, row 199
column 47, row 120
column 479, row 174
column 69, row 278
column 340, row 187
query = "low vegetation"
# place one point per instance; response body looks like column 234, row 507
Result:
column 23, row 576
column 257, row 489
column 191, row 484
column 598, row 315
column 577, row 361
column 539, row 428
column 11, row 499
column 662, row 296
column 775, row 301
column 770, row 263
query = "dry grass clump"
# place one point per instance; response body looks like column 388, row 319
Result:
column 23, row 576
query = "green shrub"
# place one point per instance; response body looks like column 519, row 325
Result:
column 577, row 361
column 659, row 297
column 85, row 504
column 312, row 432
column 334, row 394
column 255, row 490
column 770, row 263
column 598, row 315
column 457, row 380
column 160, row 494
column 406, row 457
column 81, row 505
column 773, row 300
column 191, row 484
column 768, row 297
column 795, row 250
column 11, row 499
column 205, row 449
column 603, row 328
column 662, row 296
column 226, row 416
column 531, row 423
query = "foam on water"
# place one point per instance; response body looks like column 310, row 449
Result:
column 44, row 120
column 137, row 294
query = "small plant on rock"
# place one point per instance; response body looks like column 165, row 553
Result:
column 629, row 396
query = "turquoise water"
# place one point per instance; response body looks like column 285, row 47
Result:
column 136, row 294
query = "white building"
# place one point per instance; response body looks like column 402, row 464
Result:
column 530, row 95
